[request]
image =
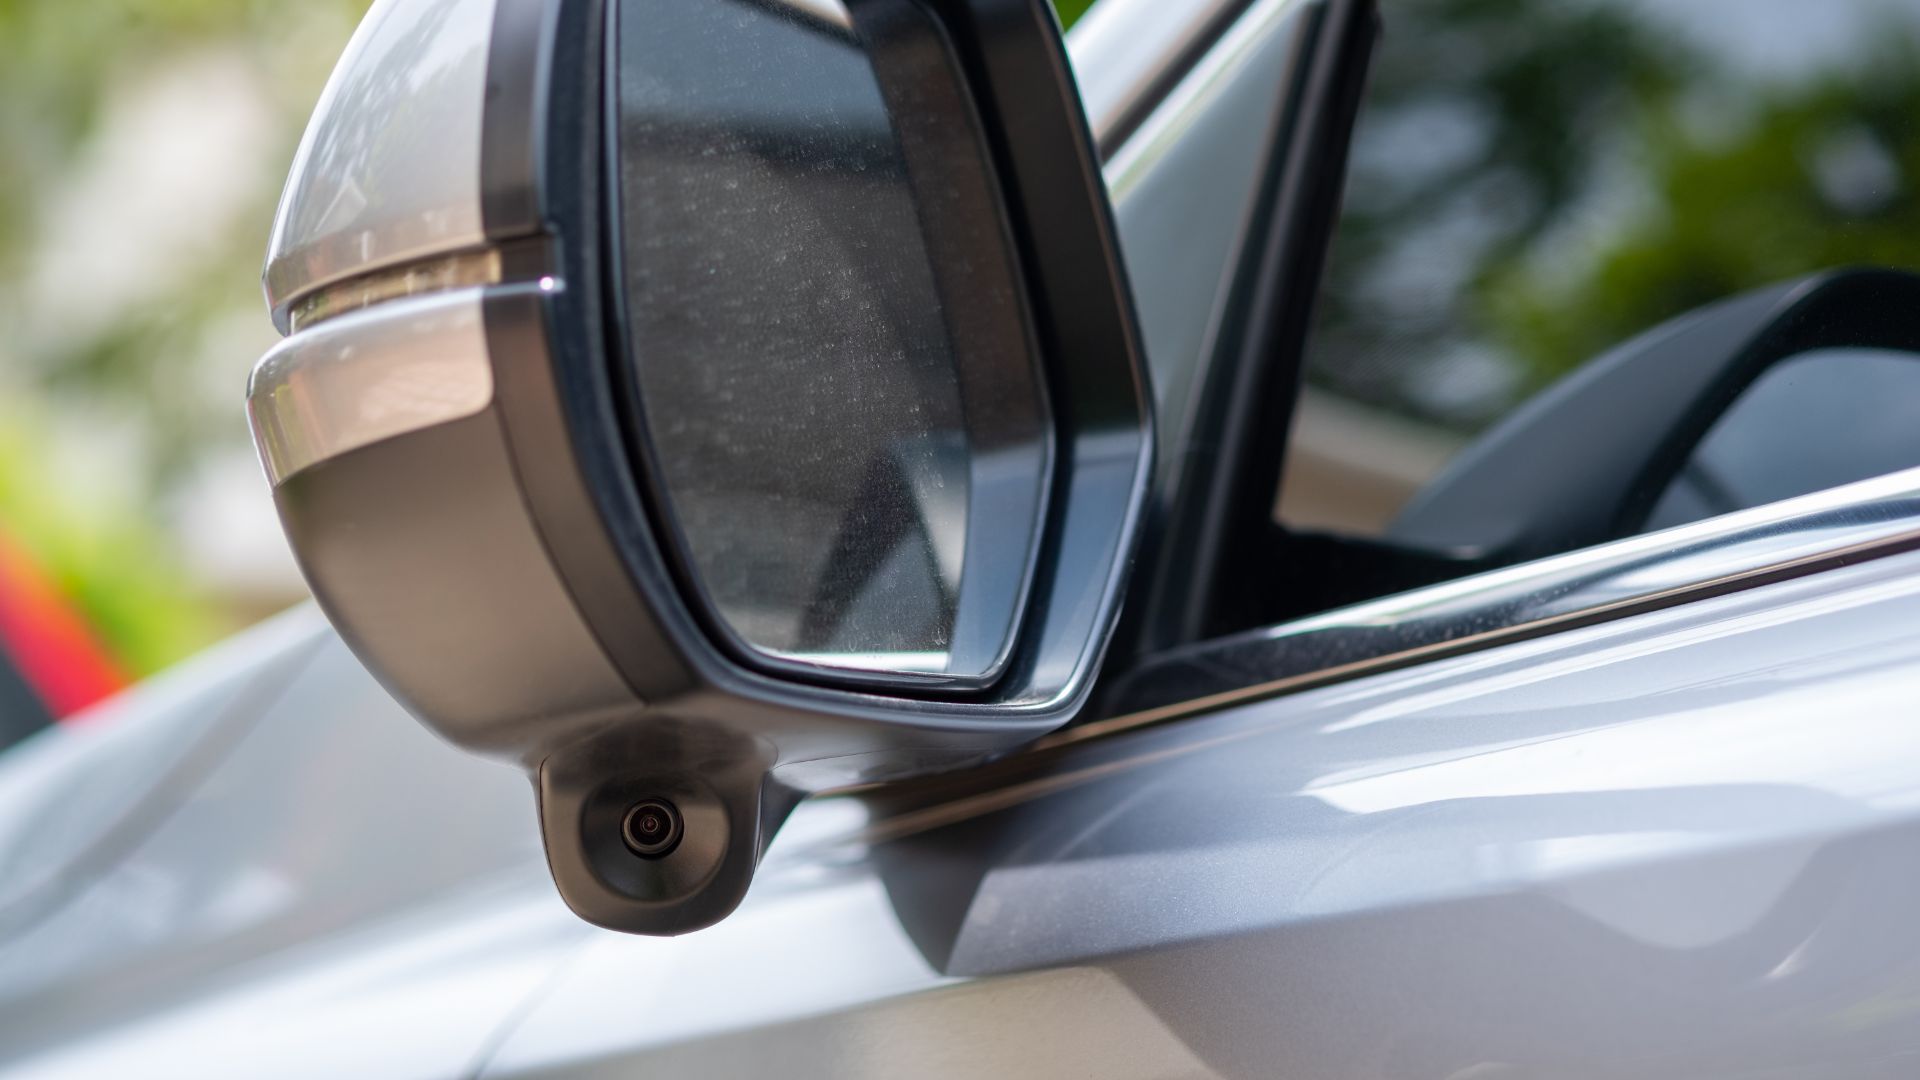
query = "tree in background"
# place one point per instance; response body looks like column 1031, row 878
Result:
column 1802, row 178
column 1535, row 180
column 142, row 146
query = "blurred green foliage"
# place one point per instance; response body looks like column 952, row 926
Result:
column 111, row 396
column 108, row 562
column 1736, row 210
column 1071, row 10
column 59, row 60
column 1536, row 180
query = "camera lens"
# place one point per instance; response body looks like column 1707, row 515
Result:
column 651, row 828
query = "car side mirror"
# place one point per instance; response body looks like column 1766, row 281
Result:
column 1665, row 428
column 703, row 403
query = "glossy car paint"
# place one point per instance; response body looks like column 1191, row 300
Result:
column 320, row 899
column 1686, row 843
column 389, row 168
column 1679, row 844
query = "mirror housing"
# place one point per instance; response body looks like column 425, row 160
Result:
column 1587, row 459
column 699, row 429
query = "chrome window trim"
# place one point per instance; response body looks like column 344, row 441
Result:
column 1788, row 539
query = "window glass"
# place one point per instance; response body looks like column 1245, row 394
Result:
column 1533, row 181
column 837, row 382
column 1817, row 420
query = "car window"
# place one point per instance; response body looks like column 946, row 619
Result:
column 1778, row 439
column 1533, row 181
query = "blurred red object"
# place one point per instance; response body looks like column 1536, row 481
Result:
column 49, row 645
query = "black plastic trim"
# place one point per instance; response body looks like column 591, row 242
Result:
column 510, row 134
column 1209, row 562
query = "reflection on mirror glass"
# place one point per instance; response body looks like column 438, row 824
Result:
column 837, row 387
column 1813, row 421
column 1535, row 181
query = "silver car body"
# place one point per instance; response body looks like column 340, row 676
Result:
column 1683, row 841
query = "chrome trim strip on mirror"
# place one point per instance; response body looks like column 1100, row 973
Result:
column 460, row 270
column 1783, row 540
column 369, row 375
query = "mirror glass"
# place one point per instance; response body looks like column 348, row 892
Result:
column 837, row 397
column 1815, row 420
